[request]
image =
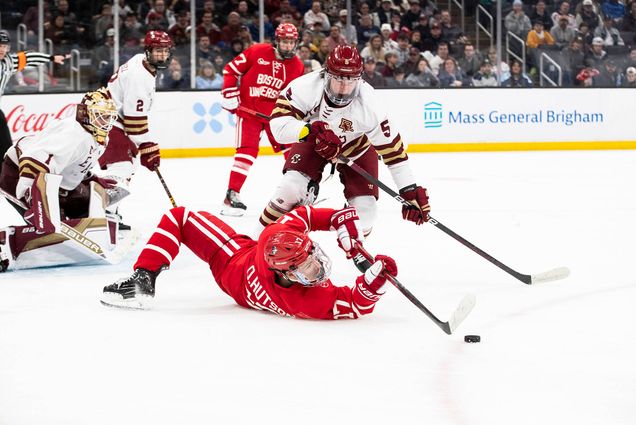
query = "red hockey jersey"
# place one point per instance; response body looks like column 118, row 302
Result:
column 249, row 281
column 261, row 77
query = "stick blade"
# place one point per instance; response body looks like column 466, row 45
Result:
column 461, row 312
column 554, row 274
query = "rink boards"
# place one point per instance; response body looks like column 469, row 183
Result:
column 190, row 124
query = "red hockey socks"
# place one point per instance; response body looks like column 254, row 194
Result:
column 163, row 246
column 243, row 160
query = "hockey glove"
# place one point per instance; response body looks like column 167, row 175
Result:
column 371, row 283
column 327, row 144
column 150, row 155
column 230, row 100
column 104, row 182
column 347, row 225
column 417, row 196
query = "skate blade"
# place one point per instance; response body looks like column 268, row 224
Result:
column 140, row 302
column 232, row 212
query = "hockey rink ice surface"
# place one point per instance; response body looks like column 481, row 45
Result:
column 560, row 353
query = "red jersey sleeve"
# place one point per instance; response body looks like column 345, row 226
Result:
column 236, row 68
column 307, row 219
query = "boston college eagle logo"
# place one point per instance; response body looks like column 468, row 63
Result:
column 346, row 125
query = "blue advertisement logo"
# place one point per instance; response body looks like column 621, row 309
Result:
column 210, row 117
column 433, row 115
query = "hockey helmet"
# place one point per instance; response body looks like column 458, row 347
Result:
column 97, row 113
column 157, row 40
column 4, row 37
column 297, row 257
column 286, row 31
column 344, row 75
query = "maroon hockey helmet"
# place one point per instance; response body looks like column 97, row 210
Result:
column 157, row 39
column 286, row 31
column 344, row 75
column 344, row 61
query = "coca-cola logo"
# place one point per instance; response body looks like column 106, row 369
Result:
column 20, row 120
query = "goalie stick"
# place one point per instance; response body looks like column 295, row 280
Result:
column 458, row 316
column 550, row 275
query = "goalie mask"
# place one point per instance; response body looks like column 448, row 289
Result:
column 97, row 113
column 158, row 49
column 286, row 40
column 297, row 257
column 343, row 75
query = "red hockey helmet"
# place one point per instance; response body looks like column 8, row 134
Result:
column 296, row 256
column 343, row 77
column 286, row 31
column 157, row 40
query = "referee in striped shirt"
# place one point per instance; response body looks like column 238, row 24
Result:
column 10, row 63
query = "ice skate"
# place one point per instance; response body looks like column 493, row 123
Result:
column 135, row 292
column 232, row 205
column 5, row 250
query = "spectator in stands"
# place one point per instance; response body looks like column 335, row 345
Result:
column 124, row 9
column 629, row 21
column 166, row 16
column 517, row 77
column 208, row 79
column 614, row 9
column 173, row 78
column 485, row 77
column 572, row 61
column 217, row 18
column 609, row 34
column 562, row 33
column 387, row 42
column 143, row 9
column 390, row 64
column 402, row 50
column 205, row 53
column 244, row 12
column 596, row 55
column 630, row 77
column 435, row 37
column 631, row 61
column 178, row 31
column 323, row 52
column 366, row 29
column 516, row 21
column 505, row 68
column 103, row 57
column 64, row 37
column 305, row 54
column 451, row 76
column 285, row 9
column 102, row 22
column 586, row 76
column 132, row 31
column 609, row 76
column 31, row 18
column 538, row 37
column 470, row 61
column 246, row 37
column 219, row 63
column 398, row 80
column 384, row 13
column 209, row 28
column 436, row 62
column 370, row 75
column 316, row 15
column 374, row 49
column 422, row 76
column 585, row 34
column 308, row 40
column 70, row 18
column 349, row 34
column 411, row 18
column 588, row 15
column 539, row 13
column 231, row 31
column 335, row 38
column 155, row 22
column 452, row 33
column 564, row 10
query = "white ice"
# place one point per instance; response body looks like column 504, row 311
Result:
column 560, row 353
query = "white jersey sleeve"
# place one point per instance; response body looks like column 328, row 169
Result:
column 64, row 148
column 132, row 88
column 294, row 106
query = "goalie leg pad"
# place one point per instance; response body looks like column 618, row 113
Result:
column 44, row 210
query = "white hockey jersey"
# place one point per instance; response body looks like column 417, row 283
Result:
column 64, row 148
column 360, row 124
column 132, row 87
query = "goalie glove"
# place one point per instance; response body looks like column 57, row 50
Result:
column 230, row 100
column 347, row 225
column 104, row 182
column 371, row 283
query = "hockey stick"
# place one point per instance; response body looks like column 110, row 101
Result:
column 165, row 187
column 550, row 275
column 460, row 313
column 254, row 113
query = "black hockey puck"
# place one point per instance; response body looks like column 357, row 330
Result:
column 472, row 338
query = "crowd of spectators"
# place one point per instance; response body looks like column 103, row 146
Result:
column 403, row 43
